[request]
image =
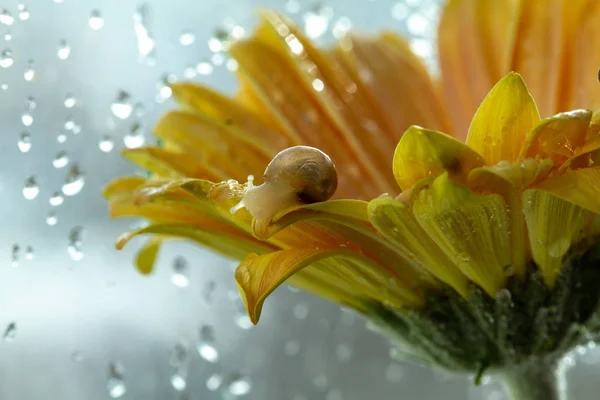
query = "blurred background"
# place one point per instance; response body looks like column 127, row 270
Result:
column 79, row 81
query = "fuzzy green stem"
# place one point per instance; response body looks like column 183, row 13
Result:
column 537, row 379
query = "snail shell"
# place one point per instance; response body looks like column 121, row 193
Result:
column 297, row 175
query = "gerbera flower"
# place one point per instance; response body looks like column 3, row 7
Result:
column 476, row 255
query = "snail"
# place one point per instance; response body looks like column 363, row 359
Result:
column 295, row 176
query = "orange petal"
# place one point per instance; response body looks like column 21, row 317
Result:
column 215, row 144
column 203, row 100
column 173, row 164
column 544, row 44
column 581, row 83
column 393, row 81
column 288, row 95
column 501, row 123
column 422, row 153
column 474, row 45
column 259, row 276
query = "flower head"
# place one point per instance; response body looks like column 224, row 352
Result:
column 490, row 224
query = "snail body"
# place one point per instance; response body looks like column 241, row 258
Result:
column 297, row 175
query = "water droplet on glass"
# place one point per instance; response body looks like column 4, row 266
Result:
column 10, row 332
column 300, row 310
column 232, row 65
column 316, row 22
column 291, row 348
column 292, row 7
column 135, row 137
column 31, row 188
column 56, row 199
column 343, row 352
column 61, row 160
column 61, row 137
column 417, row 24
column 400, row 11
column 178, row 380
column 70, row 101
column 204, row 68
column 214, row 382
column 341, row 27
column 77, row 356
column 217, row 59
column 29, row 253
column 164, row 87
column 208, row 291
column 189, row 72
column 29, row 73
column 96, row 21
column 6, row 58
column 145, row 42
column 24, row 143
column 6, row 18
column 14, row 255
column 206, row 345
column 242, row 320
column 187, row 38
column 75, row 247
column 74, row 181
column 106, row 144
column 27, row 118
column 180, row 272
column 51, row 219
column 116, row 384
column 8, row 36
column 23, row 12
column 121, row 107
column 64, row 50
column 240, row 385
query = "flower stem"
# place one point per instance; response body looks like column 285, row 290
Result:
column 538, row 379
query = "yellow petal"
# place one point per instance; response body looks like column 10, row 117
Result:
column 580, row 187
column 146, row 256
column 203, row 100
column 230, row 244
column 501, row 123
column 554, row 225
column 215, row 144
column 125, row 184
column 259, row 276
column 474, row 45
column 422, row 153
column 508, row 180
column 472, row 229
column 397, row 223
column 558, row 137
column 172, row 164
column 587, row 155
column 582, row 84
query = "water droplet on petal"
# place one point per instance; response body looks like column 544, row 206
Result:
column 116, row 384
column 23, row 12
column 31, row 188
column 6, row 58
column 61, row 160
column 106, row 144
column 74, row 182
column 187, row 38
column 240, row 385
column 180, row 272
column 10, row 332
column 96, row 21
column 121, row 107
column 24, row 143
column 56, row 199
column 64, row 50
column 51, row 219
column 6, row 18
column 206, row 345
column 75, row 247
